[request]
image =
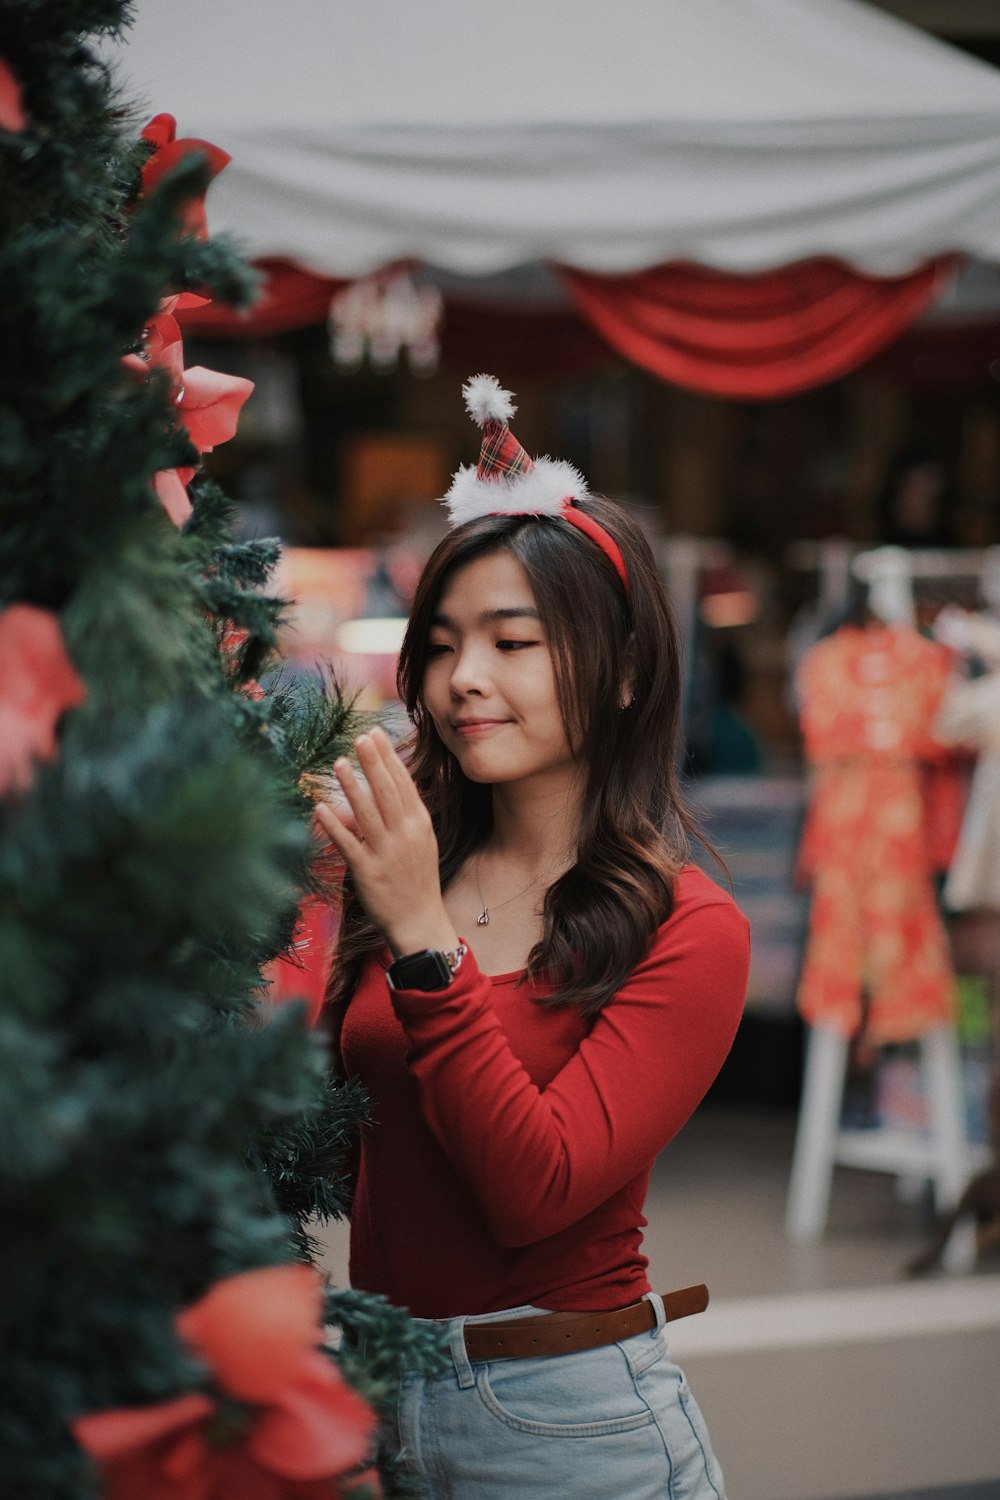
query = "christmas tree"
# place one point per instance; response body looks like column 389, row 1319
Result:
column 165, row 1137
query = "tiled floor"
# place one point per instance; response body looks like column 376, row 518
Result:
column 823, row 1373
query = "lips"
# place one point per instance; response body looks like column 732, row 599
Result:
column 469, row 728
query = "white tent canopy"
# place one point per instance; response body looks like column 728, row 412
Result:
column 738, row 134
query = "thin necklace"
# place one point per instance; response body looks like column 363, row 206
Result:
column 483, row 920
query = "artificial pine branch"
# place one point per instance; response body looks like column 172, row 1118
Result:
column 247, row 564
column 316, row 721
column 382, row 1343
column 160, row 1125
column 309, row 1162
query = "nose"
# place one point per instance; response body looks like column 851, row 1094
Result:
column 469, row 671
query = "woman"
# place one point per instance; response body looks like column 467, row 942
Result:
column 537, row 990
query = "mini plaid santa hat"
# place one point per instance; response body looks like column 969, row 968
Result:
column 506, row 481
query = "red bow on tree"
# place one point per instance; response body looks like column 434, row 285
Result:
column 208, row 403
column 11, row 114
column 37, row 685
column 233, row 641
column 283, row 1426
column 161, row 134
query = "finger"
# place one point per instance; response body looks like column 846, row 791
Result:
column 366, row 815
column 345, row 815
column 347, row 843
column 380, row 780
column 396, row 768
column 336, row 799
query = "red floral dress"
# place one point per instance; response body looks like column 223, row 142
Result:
column 868, row 700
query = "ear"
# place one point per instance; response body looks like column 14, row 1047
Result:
column 626, row 690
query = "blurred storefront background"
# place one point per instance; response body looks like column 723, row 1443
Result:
column 740, row 263
column 766, row 419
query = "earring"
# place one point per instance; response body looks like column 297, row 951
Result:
column 623, row 704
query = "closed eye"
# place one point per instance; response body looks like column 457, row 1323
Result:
column 516, row 645
column 437, row 648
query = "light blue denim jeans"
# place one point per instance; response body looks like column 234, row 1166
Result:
column 613, row 1423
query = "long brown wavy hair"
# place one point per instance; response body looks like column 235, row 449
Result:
column 600, row 917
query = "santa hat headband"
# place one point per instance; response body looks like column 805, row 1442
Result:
column 507, row 482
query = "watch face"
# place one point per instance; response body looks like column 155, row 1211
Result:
column 421, row 971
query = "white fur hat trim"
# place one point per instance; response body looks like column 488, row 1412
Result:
column 541, row 492
column 487, row 401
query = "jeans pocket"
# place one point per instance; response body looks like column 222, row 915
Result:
column 591, row 1394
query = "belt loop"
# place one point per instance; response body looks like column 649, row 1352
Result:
column 658, row 1308
column 460, row 1355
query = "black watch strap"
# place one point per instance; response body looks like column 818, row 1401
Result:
column 430, row 969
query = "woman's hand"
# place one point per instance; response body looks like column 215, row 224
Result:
column 388, row 845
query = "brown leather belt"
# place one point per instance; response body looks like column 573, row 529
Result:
column 569, row 1332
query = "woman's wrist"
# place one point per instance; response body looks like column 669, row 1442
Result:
column 419, row 931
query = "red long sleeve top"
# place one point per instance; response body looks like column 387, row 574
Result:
column 512, row 1142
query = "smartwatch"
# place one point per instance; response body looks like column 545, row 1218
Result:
column 430, row 969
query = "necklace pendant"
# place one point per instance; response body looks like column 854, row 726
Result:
column 483, row 920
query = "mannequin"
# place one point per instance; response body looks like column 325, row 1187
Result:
column 869, row 693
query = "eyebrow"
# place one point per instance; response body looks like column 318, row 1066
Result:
column 491, row 616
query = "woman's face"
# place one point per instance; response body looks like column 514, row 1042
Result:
column 489, row 682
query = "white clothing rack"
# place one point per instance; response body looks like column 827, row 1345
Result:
column 930, row 562
column 942, row 1154
column 835, row 559
column 838, row 553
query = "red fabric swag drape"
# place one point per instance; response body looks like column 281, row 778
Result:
column 762, row 336
column 756, row 337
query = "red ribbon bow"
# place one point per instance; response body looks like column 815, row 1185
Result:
column 38, row 685
column 284, row 1425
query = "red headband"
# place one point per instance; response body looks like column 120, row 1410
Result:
column 597, row 533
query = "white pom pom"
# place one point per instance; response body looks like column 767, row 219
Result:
column 487, row 401
column 542, row 492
